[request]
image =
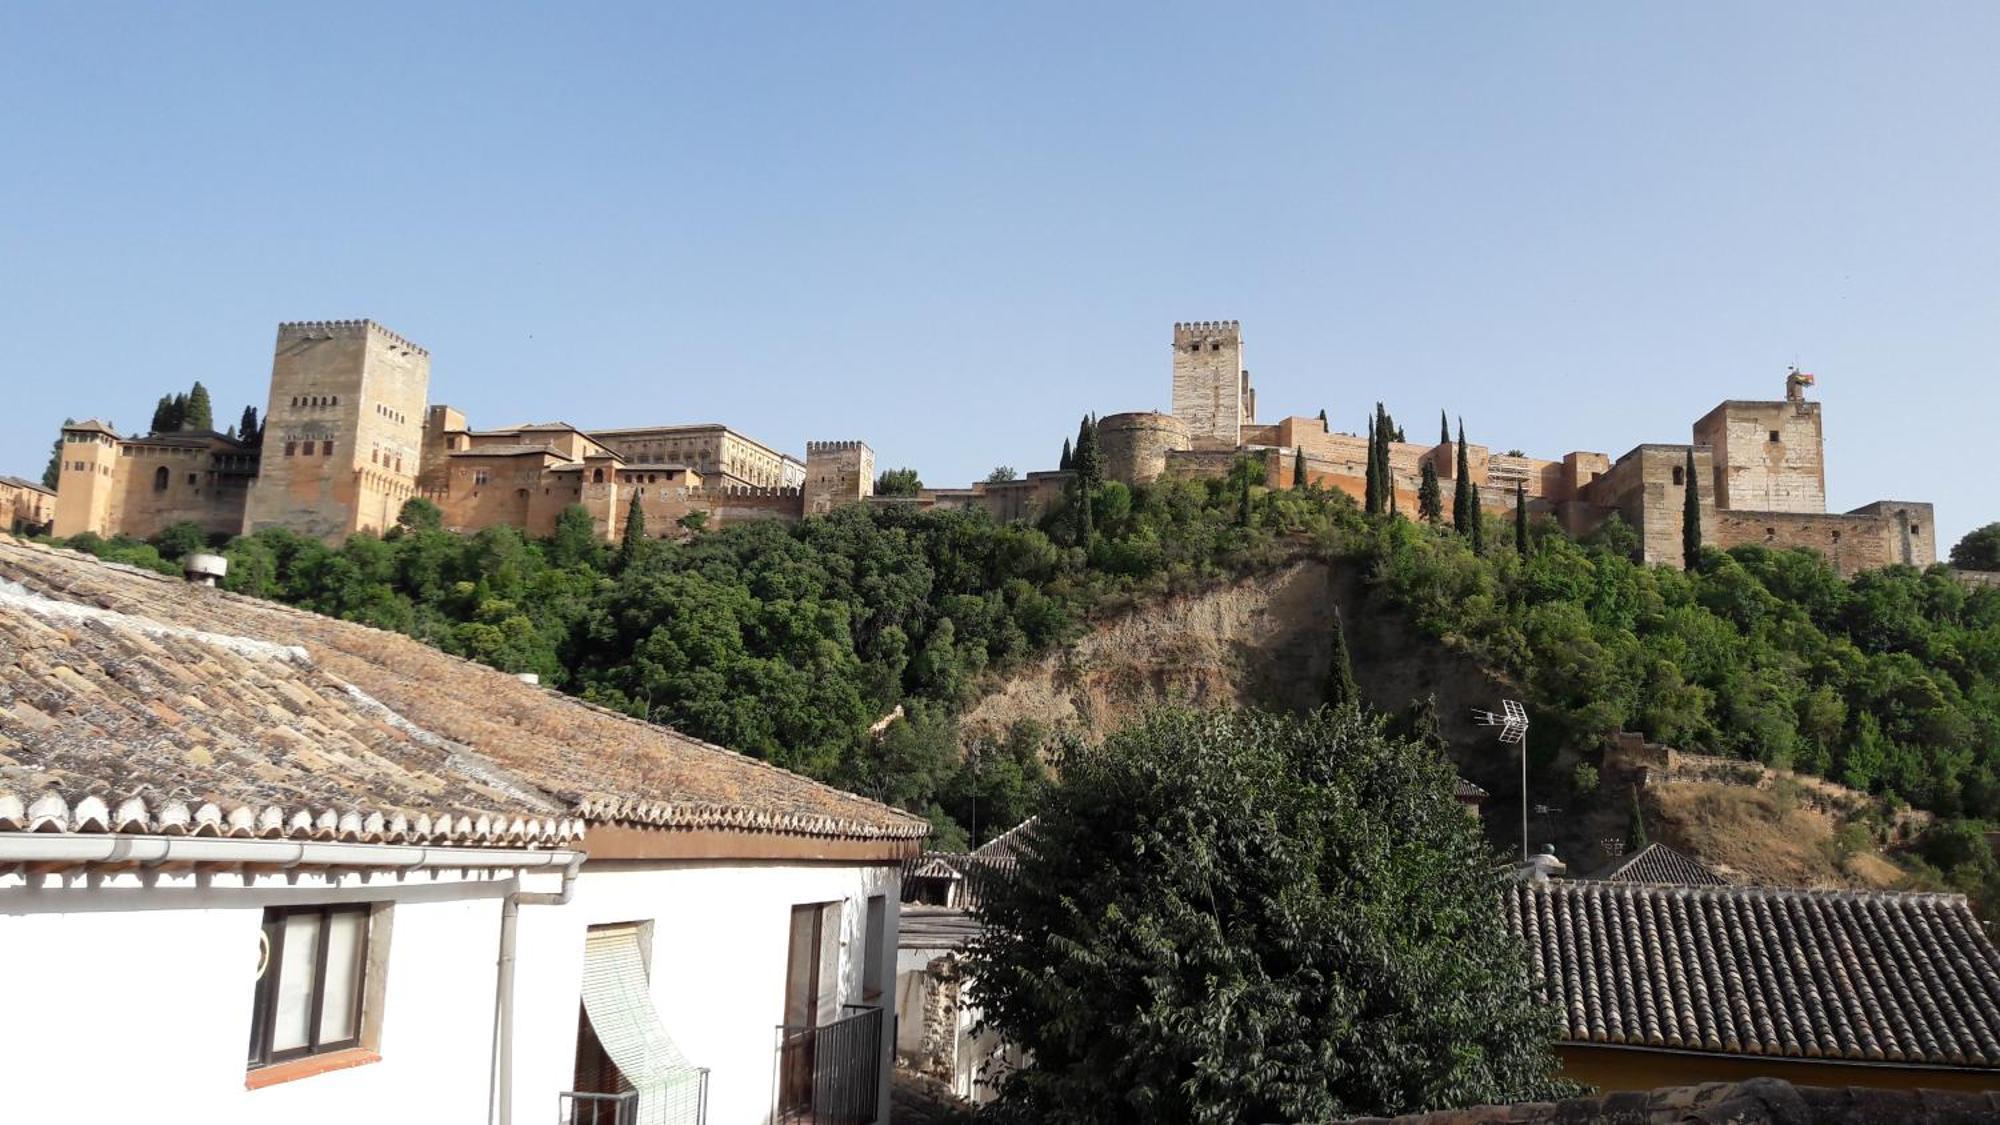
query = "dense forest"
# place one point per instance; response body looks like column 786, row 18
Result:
column 790, row 641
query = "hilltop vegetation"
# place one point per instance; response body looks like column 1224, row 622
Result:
column 790, row 641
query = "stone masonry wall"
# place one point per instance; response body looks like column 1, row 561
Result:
column 1768, row 456
column 1209, row 383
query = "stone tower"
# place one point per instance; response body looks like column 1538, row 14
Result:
column 1211, row 386
column 837, row 472
column 1769, row 456
column 89, row 480
column 343, row 435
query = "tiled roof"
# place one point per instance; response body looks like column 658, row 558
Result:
column 502, row 451
column 1467, row 791
column 1754, row 1102
column 1002, row 847
column 1849, row 975
column 1658, row 863
column 935, row 927
column 35, row 485
column 130, row 701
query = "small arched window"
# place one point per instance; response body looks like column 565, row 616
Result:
column 597, row 476
column 160, row 479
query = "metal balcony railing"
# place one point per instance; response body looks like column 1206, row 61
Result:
column 831, row 1074
column 686, row 1105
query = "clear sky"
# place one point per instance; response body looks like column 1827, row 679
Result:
column 950, row 229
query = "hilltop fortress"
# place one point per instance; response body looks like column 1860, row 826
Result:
column 350, row 436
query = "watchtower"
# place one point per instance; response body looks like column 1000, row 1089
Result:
column 343, row 436
column 1769, row 456
column 89, row 481
column 837, row 472
column 1211, row 386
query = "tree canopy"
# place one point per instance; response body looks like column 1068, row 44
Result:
column 1979, row 550
column 1241, row 917
column 898, row 482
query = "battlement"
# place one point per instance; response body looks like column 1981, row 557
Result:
column 813, row 447
column 328, row 329
column 1184, row 329
column 747, row 490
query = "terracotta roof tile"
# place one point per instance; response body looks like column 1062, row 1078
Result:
column 193, row 709
column 1658, row 863
column 1848, row 975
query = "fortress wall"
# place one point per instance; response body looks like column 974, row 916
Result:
column 1768, row 455
column 1134, row 447
column 1852, row 543
column 1643, row 488
column 194, row 492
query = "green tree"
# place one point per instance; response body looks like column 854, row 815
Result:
column 1979, row 550
column 1085, row 459
column 1064, row 464
column 164, row 419
column 1299, row 478
column 1244, row 512
column 1520, row 520
column 1322, row 417
column 1001, row 474
column 52, row 471
column 1430, row 497
column 898, row 482
column 1691, row 517
column 575, row 541
column 1464, row 501
column 200, row 414
column 1341, row 690
column 419, row 514
column 632, row 542
column 179, row 538
column 249, row 429
column 1635, row 826
column 1444, row 428
column 1225, row 917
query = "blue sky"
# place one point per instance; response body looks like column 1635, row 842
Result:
column 950, row 229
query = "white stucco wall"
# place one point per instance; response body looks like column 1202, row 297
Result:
column 129, row 1002
column 720, row 936
column 134, row 1003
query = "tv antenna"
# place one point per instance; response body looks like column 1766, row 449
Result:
column 1512, row 720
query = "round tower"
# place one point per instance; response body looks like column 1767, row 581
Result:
column 1134, row 447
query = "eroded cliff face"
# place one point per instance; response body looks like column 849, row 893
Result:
column 1261, row 642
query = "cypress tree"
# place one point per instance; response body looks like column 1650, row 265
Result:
column 248, row 429
column 163, row 415
column 1462, row 502
column 1243, row 509
column 633, row 543
column 177, row 412
column 1340, row 688
column 200, row 412
column 1371, row 491
column 1299, row 468
column 1444, row 429
column 1083, row 459
column 1064, row 464
column 1430, row 497
column 1635, row 827
column 1691, row 518
column 1520, row 519
column 1322, row 417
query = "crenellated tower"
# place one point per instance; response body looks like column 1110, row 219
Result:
column 344, row 431
column 1211, row 386
column 837, row 473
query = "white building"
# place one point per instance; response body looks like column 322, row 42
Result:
column 259, row 865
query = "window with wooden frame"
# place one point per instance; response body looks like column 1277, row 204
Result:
column 311, row 979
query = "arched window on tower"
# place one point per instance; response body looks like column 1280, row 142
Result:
column 160, row 478
column 597, row 476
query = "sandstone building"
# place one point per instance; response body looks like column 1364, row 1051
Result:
column 26, row 505
column 350, row 437
column 1760, row 467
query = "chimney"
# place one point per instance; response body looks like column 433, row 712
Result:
column 204, row 569
column 1542, row 867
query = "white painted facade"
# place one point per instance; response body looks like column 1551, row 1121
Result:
column 130, row 1001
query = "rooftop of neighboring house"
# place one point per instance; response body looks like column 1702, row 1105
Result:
column 135, row 702
column 1658, row 863
column 1754, row 1102
column 935, row 927
column 1857, row 976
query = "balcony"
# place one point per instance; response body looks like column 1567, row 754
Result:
column 831, row 1074
column 687, row 1104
